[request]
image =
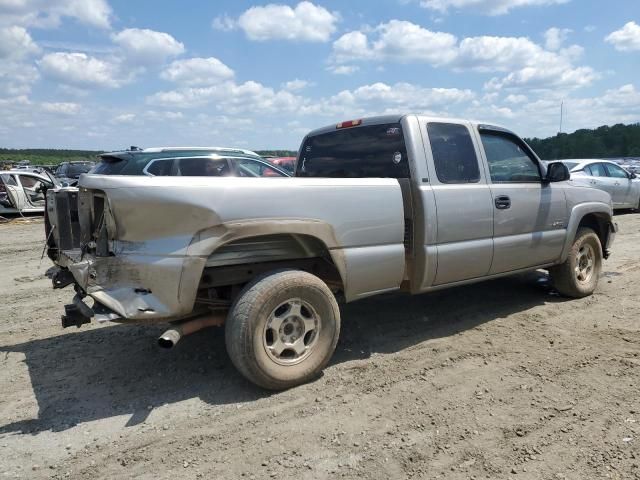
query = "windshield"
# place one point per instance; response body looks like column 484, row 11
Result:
column 570, row 165
column 367, row 151
column 77, row 169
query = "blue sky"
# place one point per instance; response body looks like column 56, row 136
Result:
column 106, row 74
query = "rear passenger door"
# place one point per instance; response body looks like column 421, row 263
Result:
column 529, row 216
column 463, row 203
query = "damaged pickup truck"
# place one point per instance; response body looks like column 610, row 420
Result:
column 394, row 203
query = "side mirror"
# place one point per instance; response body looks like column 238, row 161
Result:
column 557, row 172
column 633, row 176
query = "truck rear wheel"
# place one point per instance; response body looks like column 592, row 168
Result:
column 283, row 329
column 578, row 276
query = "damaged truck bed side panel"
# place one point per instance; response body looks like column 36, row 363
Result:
column 153, row 236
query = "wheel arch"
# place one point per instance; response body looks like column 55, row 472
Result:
column 596, row 216
column 234, row 253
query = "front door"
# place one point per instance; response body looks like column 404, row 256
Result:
column 14, row 195
column 621, row 188
column 32, row 190
column 529, row 216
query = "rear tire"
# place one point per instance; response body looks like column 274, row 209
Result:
column 283, row 329
column 578, row 276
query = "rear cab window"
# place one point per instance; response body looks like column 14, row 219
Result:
column 356, row 152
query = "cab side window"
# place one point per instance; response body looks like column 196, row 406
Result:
column 453, row 153
column 509, row 161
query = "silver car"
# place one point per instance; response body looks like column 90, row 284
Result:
column 23, row 191
column 622, row 185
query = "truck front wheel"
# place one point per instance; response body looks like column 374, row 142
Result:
column 283, row 329
column 578, row 276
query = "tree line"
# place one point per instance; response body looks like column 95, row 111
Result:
column 602, row 142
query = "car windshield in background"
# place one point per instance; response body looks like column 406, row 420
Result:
column 366, row 151
column 570, row 165
column 77, row 169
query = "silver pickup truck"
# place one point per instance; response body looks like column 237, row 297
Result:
column 381, row 204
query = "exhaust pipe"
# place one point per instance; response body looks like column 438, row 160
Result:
column 171, row 337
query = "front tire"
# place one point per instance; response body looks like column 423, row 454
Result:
column 578, row 276
column 283, row 329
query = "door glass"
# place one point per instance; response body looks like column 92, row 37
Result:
column 615, row 171
column 160, row 168
column 8, row 179
column 597, row 170
column 203, row 167
column 453, row 153
column 508, row 161
column 250, row 168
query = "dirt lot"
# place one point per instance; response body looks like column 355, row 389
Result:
column 498, row 380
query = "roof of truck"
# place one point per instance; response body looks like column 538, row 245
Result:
column 381, row 119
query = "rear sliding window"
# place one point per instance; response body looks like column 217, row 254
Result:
column 358, row 152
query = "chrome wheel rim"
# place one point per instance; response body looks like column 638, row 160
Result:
column 585, row 263
column 291, row 332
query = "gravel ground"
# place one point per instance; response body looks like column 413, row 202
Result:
column 497, row 380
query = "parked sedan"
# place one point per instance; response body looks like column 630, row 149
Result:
column 623, row 186
column 22, row 191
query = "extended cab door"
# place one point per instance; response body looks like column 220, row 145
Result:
column 464, row 220
column 529, row 216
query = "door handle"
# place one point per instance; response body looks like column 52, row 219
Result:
column 503, row 202
column 617, row 183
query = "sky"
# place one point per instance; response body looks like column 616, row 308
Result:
column 107, row 74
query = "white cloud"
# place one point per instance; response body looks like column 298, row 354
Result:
column 228, row 96
column 49, row 13
column 487, row 7
column 515, row 99
column 295, row 85
column 305, row 22
column 224, row 23
column 197, row 72
column 65, row 108
column 147, row 46
column 16, row 78
column 523, row 60
column 81, row 70
column 555, row 37
column 124, row 118
column 399, row 41
column 15, row 42
column 380, row 97
column 627, row 39
column 343, row 69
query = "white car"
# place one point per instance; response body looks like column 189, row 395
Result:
column 21, row 191
column 622, row 185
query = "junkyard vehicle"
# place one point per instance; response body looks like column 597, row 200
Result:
column 382, row 204
column 622, row 185
column 22, row 191
column 68, row 173
column 186, row 161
